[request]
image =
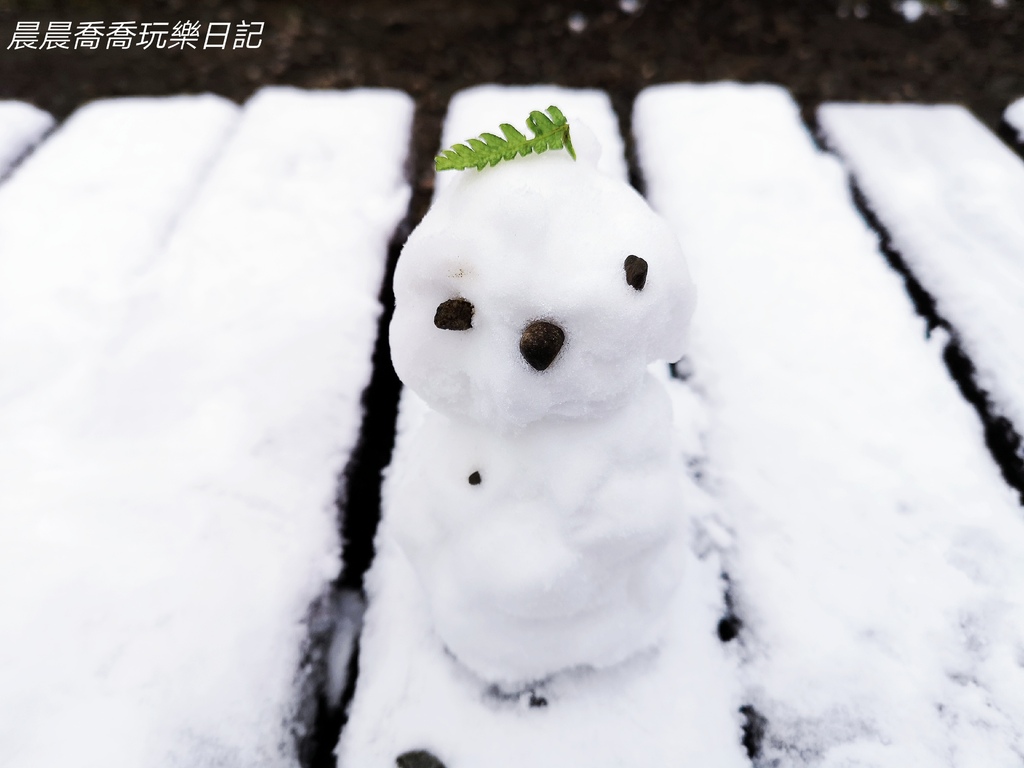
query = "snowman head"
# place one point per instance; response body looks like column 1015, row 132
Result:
column 539, row 288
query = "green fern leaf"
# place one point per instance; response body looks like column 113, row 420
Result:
column 550, row 131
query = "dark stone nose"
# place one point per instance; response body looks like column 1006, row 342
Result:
column 540, row 343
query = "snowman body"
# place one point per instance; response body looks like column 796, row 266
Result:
column 540, row 501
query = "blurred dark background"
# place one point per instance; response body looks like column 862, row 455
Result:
column 966, row 51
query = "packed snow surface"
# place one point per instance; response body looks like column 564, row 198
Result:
column 951, row 195
column 173, row 420
column 83, row 216
column 876, row 558
column 1014, row 115
column 515, row 543
column 21, row 126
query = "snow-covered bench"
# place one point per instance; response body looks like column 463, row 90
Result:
column 864, row 528
column 188, row 303
column 877, row 558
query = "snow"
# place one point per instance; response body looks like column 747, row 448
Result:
column 567, row 551
column 577, row 22
column 75, row 228
column 912, row 10
column 680, row 701
column 875, row 550
column 169, row 486
column 1014, row 115
column 950, row 195
column 21, row 126
column 564, row 553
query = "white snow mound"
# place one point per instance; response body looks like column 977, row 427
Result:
column 566, row 552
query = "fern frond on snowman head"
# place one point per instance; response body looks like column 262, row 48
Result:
column 550, row 131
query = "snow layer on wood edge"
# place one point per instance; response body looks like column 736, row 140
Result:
column 674, row 708
column 21, row 126
column 950, row 194
column 1014, row 116
column 175, row 517
column 877, row 550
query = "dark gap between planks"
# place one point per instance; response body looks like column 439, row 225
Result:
column 320, row 721
column 1011, row 137
column 29, row 150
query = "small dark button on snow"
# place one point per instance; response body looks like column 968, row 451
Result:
column 540, row 343
column 636, row 271
column 418, row 759
column 474, row 479
column 454, row 315
column 729, row 628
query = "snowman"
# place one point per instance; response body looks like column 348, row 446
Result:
column 540, row 503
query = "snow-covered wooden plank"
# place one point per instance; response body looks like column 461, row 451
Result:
column 21, row 126
column 169, row 509
column 83, row 215
column 679, row 707
column 951, row 196
column 876, row 555
column 1014, row 117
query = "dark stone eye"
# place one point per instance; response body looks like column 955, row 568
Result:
column 454, row 315
column 474, row 479
column 636, row 271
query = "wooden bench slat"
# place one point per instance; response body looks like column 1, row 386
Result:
column 876, row 559
column 84, row 215
column 177, row 506
column 951, row 196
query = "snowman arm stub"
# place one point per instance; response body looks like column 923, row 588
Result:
column 550, row 131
